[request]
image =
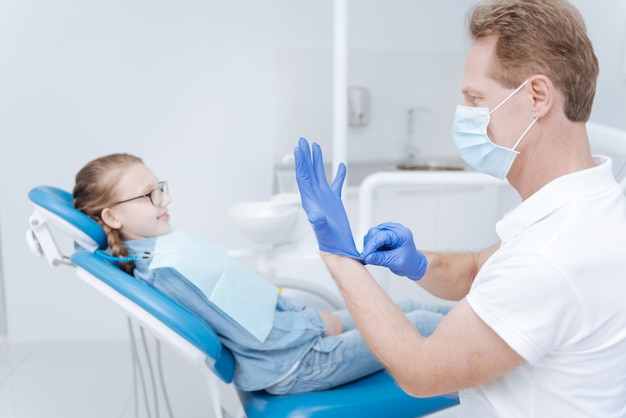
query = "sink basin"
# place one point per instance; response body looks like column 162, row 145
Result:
column 430, row 166
column 265, row 223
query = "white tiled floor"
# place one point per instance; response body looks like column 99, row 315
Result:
column 95, row 380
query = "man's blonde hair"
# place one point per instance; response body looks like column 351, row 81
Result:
column 546, row 37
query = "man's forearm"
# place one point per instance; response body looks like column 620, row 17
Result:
column 387, row 331
column 450, row 275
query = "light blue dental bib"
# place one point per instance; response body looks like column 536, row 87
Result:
column 240, row 293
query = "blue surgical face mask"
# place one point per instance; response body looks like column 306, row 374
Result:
column 470, row 135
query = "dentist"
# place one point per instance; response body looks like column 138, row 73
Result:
column 540, row 325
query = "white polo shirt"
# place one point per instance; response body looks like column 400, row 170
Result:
column 555, row 291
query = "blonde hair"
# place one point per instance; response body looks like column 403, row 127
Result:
column 546, row 37
column 94, row 191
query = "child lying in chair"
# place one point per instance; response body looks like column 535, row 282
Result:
column 278, row 344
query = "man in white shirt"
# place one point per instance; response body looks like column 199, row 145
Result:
column 540, row 324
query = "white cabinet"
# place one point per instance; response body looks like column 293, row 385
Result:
column 445, row 211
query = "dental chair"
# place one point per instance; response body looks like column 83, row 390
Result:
column 374, row 396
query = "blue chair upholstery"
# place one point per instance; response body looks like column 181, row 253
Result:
column 377, row 395
column 373, row 396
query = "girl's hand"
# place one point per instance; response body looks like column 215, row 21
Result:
column 333, row 324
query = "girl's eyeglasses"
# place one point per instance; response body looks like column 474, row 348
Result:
column 155, row 196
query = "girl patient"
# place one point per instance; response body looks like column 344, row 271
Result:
column 278, row 344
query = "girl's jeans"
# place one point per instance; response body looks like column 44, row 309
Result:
column 352, row 358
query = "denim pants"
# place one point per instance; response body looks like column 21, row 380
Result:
column 352, row 358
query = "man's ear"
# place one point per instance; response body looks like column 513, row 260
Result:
column 109, row 218
column 543, row 94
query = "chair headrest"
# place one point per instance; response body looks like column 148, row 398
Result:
column 57, row 205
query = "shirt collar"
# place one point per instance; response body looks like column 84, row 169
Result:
column 556, row 194
column 138, row 247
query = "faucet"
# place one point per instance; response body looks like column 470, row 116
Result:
column 411, row 147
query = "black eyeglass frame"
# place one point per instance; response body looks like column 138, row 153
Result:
column 162, row 187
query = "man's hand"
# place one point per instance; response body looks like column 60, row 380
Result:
column 322, row 203
column 391, row 245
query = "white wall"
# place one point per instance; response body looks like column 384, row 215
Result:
column 405, row 53
column 410, row 54
column 187, row 85
column 210, row 93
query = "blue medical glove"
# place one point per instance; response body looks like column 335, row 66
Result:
column 322, row 203
column 391, row 245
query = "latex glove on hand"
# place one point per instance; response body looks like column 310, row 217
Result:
column 322, row 203
column 391, row 245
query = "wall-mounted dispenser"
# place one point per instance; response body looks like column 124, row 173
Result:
column 358, row 106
